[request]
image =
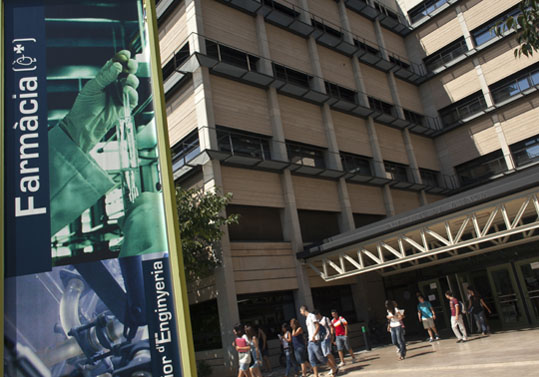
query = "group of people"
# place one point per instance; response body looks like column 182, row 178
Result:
column 426, row 315
column 302, row 350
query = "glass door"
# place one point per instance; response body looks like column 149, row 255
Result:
column 528, row 273
column 508, row 301
column 432, row 292
column 479, row 281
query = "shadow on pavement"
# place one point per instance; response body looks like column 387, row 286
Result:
column 419, row 354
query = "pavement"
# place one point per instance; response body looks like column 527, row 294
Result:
column 508, row 353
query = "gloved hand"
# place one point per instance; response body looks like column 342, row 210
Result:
column 144, row 227
column 96, row 110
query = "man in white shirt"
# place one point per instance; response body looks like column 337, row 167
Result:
column 316, row 356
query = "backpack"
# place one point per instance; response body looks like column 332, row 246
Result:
column 322, row 331
column 462, row 308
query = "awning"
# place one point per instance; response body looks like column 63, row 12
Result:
column 493, row 216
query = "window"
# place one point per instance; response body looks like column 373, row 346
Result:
column 424, row 9
column 446, row 54
column 281, row 8
column 267, row 310
column 363, row 219
column 380, row 106
column 291, row 76
column 413, row 117
column 205, row 325
column 243, row 143
column 306, row 155
column 462, row 109
column 317, row 225
column 261, row 224
column 337, row 297
column 526, row 151
column 185, row 150
column 382, row 9
column 484, row 34
column 231, row 56
column 430, row 177
column 396, row 172
column 366, row 47
column 515, row 84
column 326, row 29
column 356, row 164
column 176, row 61
column 337, row 91
column 164, row 8
column 399, row 62
column 481, row 169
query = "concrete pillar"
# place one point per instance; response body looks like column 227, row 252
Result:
column 289, row 215
column 503, row 143
column 388, row 201
column 378, row 160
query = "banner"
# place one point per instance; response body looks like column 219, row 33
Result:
column 88, row 289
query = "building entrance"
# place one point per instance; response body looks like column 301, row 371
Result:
column 433, row 291
column 528, row 275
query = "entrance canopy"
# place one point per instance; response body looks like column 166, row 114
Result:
column 493, row 216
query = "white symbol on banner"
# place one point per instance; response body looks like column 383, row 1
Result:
column 18, row 49
column 24, row 60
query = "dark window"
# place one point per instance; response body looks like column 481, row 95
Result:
column 337, row 91
column 243, row 143
column 337, row 297
column 399, row 62
column 366, row 47
column 205, row 325
column 176, row 61
column 185, row 150
column 515, row 84
column 317, row 225
column 291, row 76
column 326, row 29
column 170, row 6
column 356, row 164
column 396, row 172
column 430, row 177
column 380, row 106
column 267, row 310
column 281, row 8
column 484, row 33
column 262, row 224
column 382, row 9
column 307, row 155
column 446, row 54
column 463, row 109
column 424, row 9
column 413, row 117
column 231, row 56
column 363, row 219
column 481, row 169
column 526, row 151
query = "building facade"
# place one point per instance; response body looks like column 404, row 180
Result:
column 322, row 117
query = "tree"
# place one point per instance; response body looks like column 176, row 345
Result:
column 201, row 220
column 526, row 24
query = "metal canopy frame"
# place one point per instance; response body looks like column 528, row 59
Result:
column 502, row 223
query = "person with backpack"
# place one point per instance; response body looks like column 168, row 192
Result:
column 243, row 347
column 476, row 307
column 457, row 323
column 339, row 327
column 326, row 336
column 316, row 357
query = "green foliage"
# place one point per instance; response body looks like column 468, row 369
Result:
column 203, row 369
column 526, row 24
column 201, row 220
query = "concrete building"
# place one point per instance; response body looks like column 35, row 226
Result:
column 323, row 117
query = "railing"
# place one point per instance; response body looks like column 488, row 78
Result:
column 241, row 144
column 187, row 149
column 515, row 87
column 464, row 110
column 448, row 54
column 423, row 10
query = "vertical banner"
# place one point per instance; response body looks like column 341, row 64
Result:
column 88, row 289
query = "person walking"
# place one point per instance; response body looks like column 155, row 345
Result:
column 256, row 357
column 242, row 346
column 476, row 306
column 457, row 323
column 339, row 328
column 316, row 357
column 298, row 343
column 426, row 315
column 264, row 349
column 326, row 336
column 395, row 315
column 286, row 341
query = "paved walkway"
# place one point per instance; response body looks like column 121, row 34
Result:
column 509, row 353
